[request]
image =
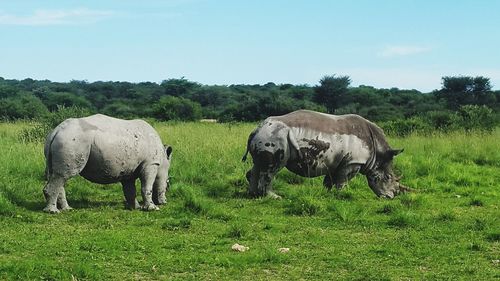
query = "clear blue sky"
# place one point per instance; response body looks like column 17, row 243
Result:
column 405, row 44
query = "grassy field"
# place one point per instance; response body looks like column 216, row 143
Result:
column 448, row 229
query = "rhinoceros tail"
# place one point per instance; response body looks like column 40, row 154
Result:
column 48, row 159
column 250, row 137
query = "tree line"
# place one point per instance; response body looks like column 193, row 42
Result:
column 182, row 99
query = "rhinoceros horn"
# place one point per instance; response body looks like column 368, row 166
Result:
column 403, row 188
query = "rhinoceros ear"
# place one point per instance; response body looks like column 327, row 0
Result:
column 168, row 150
column 394, row 152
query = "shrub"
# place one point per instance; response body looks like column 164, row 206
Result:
column 442, row 120
column 38, row 132
column 177, row 108
column 475, row 117
column 25, row 106
column 405, row 127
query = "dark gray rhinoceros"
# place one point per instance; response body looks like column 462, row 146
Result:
column 314, row 144
column 107, row 150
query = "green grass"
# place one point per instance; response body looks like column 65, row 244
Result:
column 448, row 229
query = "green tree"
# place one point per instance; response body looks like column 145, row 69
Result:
column 462, row 90
column 55, row 99
column 331, row 91
column 179, row 87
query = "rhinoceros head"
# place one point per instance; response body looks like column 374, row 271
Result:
column 162, row 182
column 383, row 181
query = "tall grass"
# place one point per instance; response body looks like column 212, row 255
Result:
column 447, row 228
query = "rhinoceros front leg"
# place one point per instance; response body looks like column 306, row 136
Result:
column 260, row 182
column 147, row 180
column 344, row 175
column 51, row 191
column 129, row 193
column 253, row 181
column 328, row 182
column 159, row 194
column 265, row 184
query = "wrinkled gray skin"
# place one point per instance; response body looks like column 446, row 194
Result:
column 106, row 150
column 313, row 144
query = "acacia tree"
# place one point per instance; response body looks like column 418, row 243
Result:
column 179, row 87
column 461, row 90
column 331, row 91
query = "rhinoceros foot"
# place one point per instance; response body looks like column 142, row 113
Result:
column 150, row 207
column 66, row 208
column 51, row 210
column 273, row 195
column 133, row 206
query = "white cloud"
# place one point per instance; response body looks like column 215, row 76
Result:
column 55, row 17
column 398, row 51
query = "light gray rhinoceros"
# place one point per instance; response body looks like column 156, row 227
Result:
column 314, row 144
column 106, row 150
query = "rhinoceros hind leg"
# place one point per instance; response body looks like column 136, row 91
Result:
column 129, row 193
column 148, row 176
column 253, row 181
column 51, row 191
column 62, row 202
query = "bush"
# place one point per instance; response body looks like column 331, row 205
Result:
column 443, row 120
column 177, row 108
column 405, row 127
column 38, row 132
column 24, row 106
column 475, row 117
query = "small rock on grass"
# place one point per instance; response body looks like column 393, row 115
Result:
column 239, row 248
column 284, row 250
